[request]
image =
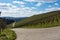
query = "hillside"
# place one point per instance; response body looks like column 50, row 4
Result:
column 45, row 19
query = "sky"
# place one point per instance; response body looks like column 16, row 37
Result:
column 27, row 8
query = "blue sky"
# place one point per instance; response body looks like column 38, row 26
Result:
column 26, row 8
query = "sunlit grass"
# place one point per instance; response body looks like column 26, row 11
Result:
column 7, row 34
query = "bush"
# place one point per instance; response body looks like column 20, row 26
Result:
column 8, row 35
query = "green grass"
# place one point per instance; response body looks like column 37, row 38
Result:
column 47, row 25
column 7, row 34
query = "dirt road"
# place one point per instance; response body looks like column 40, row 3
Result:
column 38, row 34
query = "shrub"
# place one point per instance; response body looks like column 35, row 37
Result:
column 8, row 35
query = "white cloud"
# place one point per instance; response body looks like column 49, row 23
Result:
column 19, row 2
column 56, row 4
column 51, row 9
column 7, row 8
column 13, row 11
column 5, row 4
column 47, row 0
column 33, row 8
column 30, row 0
column 41, row 0
column 38, row 4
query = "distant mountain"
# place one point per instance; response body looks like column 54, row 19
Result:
column 10, row 20
column 40, row 20
column 14, row 19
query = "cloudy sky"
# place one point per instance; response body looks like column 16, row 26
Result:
column 26, row 8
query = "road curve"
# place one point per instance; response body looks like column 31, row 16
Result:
column 38, row 34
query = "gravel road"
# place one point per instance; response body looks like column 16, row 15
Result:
column 38, row 34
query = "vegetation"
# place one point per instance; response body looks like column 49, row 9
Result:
column 40, row 21
column 7, row 35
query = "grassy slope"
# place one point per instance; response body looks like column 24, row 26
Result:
column 41, row 20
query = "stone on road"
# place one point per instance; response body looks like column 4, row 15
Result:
column 38, row 34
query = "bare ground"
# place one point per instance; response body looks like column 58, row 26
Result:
column 38, row 34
